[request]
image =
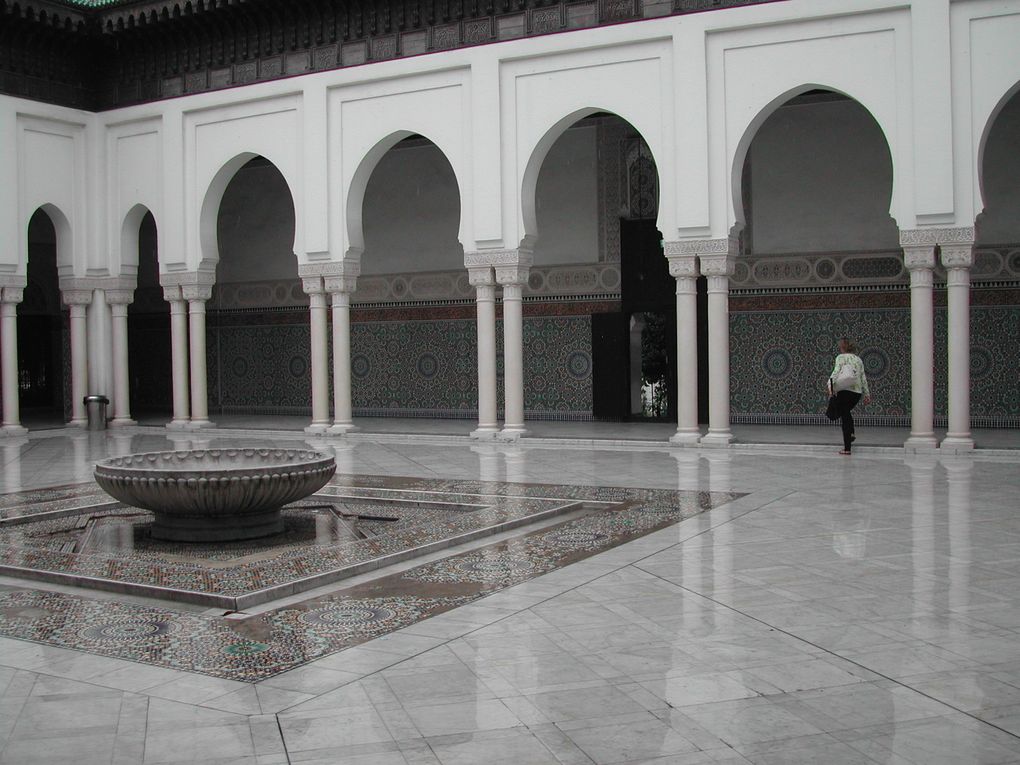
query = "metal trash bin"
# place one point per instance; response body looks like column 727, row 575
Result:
column 95, row 410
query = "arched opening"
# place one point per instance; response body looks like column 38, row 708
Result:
column 814, row 194
column 257, row 324
column 43, row 343
column 413, row 346
column 151, row 378
column 600, row 330
column 995, row 330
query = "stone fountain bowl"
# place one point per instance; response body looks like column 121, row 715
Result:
column 215, row 495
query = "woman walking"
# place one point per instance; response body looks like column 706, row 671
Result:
column 849, row 384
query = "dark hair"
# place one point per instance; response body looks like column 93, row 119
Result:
column 850, row 345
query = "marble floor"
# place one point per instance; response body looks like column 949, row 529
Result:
column 813, row 609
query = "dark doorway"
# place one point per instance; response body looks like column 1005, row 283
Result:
column 40, row 330
column 151, row 379
column 634, row 351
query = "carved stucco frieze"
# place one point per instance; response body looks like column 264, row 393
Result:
column 701, row 247
column 187, row 278
column 932, row 236
column 346, row 267
column 515, row 257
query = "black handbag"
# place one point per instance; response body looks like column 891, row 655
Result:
column 832, row 410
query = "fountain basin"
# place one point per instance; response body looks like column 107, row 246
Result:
column 215, row 495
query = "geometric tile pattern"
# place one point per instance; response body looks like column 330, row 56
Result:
column 252, row 648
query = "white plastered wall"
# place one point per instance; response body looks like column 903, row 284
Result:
column 367, row 120
column 544, row 95
column 754, row 70
column 986, row 72
column 694, row 86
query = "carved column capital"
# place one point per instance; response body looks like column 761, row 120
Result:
column 512, row 275
column 957, row 256
column 120, row 297
column 172, row 294
column 345, row 284
column 718, row 265
column 193, row 292
column 12, row 295
column 76, row 297
column 480, row 276
column 919, row 257
column 312, row 285
column 683, row 266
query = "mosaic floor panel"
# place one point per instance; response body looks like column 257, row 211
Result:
column 252, row 648
column 349, row 527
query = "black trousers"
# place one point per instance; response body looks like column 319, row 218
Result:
column 846, row 400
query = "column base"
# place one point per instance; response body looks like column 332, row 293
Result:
column 685, row 438
column 201, row 424
column 342, row 428
column 719, row 438
column 13, row 430
column 178, row 425
column 512, row 433
column 122, row 422
column 956, row 444
column 79, row 423
column 923, row 443
column 317, row 429
column 485, row 432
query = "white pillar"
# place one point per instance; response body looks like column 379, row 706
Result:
column 919, row 257
column 196, row 295
column 512, row 279
column 685, row 269
column 77, row 302
column 718, row 268
column 179, row 356
column 319, row 347
column 9, row 299
column 958, row 259
column 485, row 301
column 98, row 344
column 119, row 301
column 341, row 287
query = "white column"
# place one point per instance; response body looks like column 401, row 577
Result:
column 512, row 279
column 119, row 301
column 718, row 268
column 920, row 261
column 98, row 343
column 9, row 299
column 958, row 259
column 196, row 295
column 77, row 302
column 685, row 270
column 485, row 301
column 319, row 340
column 179, row 356
column 341, row 288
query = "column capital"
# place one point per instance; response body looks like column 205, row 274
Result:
column 345, row 284
column 193, row 292
column 718, row 265
column 76, row 297
column 512, row 275
column 12, row 295
column 312, row 285
column 683, row 266
column 918, row 258
column 172, row 294
column 481, row 276
column 120, row 297
column 957, row 256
